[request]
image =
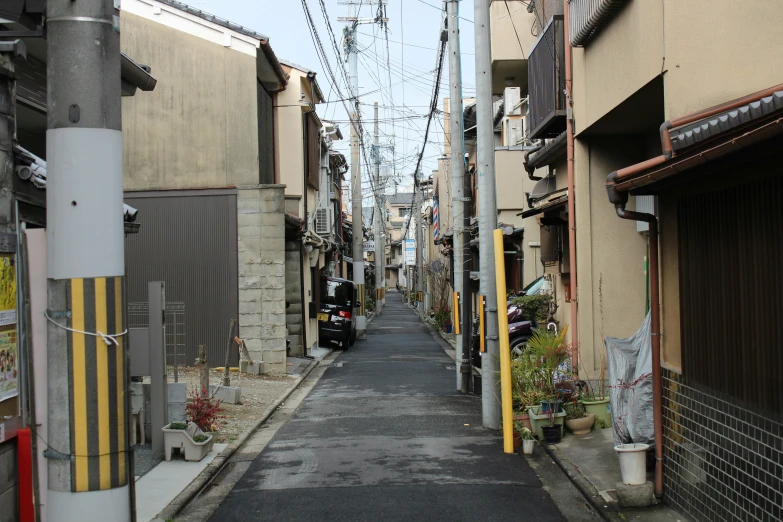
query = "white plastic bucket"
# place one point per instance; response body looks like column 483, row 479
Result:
column 633, row 463
column 527, row 446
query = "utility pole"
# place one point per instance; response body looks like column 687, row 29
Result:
column 352, row 50
column 419, row 243
column 380, row 261
column 459, row 201
column 88, row 448
column 488, row 215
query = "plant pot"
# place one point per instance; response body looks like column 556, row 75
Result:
column 183, row 441
column 633, row 467
column 524, row 419
column 551, row 406
column 601, row 408
column 581, row 426
column 538, row 421
column 447, row 328
column 552, row 434
column 527, row 446
column 517, row 440
column 214, row 435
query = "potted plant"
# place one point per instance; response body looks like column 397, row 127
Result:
column 633, row 456
column 553, row 433
column 577, row 420
column 188, row 439
column 597, row 401
column 551, row 350
column 206, row 412
column 539, row 421
column 526, row 437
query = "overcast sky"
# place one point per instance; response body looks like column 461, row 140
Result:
column 414, row 27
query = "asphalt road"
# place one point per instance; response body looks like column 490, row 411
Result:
column 385, row 436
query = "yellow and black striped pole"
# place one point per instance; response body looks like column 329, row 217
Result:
column 88, row 459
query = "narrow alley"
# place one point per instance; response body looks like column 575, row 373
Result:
column 384, row 436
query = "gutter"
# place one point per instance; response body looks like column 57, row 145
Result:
column 526, row 162
column 617, row 186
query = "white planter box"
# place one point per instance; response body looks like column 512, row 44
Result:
column 183, row 441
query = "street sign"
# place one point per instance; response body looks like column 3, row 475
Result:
column 368, row 246
column 410, row 252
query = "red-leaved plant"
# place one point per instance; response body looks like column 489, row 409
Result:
column 206, row 411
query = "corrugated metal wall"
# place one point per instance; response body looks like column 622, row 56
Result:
column 189, row 240
column 731, row 291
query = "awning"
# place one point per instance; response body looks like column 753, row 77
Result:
column 550, row 208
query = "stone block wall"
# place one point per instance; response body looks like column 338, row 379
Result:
column 293, row 295
column 261, row 273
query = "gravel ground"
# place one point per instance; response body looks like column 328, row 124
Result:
column 258, row 392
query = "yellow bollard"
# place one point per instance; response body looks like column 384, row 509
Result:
column 505, row 350
column 455, row 313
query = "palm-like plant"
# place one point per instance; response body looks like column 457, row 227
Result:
column 551, row 349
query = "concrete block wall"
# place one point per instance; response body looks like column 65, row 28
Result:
column 8, row 481
column 293, row 295
column 261, row 273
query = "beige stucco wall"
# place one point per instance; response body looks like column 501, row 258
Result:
column 619, row 61
column 200, row 128
column 610, row 252
column 716, row 53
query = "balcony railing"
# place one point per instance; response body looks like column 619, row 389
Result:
column 546, row 82
column 587, row 17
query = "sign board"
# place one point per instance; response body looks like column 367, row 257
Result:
column 410, row 252
column 368, row 246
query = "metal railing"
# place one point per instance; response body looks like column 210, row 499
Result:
column 546, row 82
column 588, row 17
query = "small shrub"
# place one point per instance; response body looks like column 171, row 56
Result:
column 574, row 411
column 200, row 438
column 206, row 411
column 178, row 426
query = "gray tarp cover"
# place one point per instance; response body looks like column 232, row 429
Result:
column 630, row 360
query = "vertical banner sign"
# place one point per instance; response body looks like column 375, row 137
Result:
column 410, row 252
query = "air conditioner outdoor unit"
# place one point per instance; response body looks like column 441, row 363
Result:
column 323, row 221
column 511, row 97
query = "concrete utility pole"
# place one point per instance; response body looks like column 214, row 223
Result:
column 352, row 50
column 488, row 214
column 419, row 243
column 459, row 200
column 380, row 261
column 88, row 448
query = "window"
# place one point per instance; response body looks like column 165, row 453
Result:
column 403, row 211
column 336, row 292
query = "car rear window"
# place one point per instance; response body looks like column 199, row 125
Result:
column 336, row 293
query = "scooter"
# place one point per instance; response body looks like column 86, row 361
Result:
column 519, row 331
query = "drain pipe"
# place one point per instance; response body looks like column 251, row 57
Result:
column 619, row 200
column 571, row 203
column 530, row 170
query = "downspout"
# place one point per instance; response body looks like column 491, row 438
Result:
column 574, row 330
column 619, row 200
column 530, row 170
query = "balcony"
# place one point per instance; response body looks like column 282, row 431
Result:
column 546, row 82
column 511, row 41
column 588, row 17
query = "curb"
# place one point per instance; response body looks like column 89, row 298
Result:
column 584, row 486
column 214, row 467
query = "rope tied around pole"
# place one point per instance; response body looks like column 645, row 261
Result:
column 109, row 339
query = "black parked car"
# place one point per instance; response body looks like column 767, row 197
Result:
column 339, row 308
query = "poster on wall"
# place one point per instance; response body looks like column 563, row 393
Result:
column 8, row 365
column 7, row 291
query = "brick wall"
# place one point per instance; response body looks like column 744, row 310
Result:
column 721, row 461
column 8, row 480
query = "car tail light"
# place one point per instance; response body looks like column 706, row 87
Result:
column 347, row 315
